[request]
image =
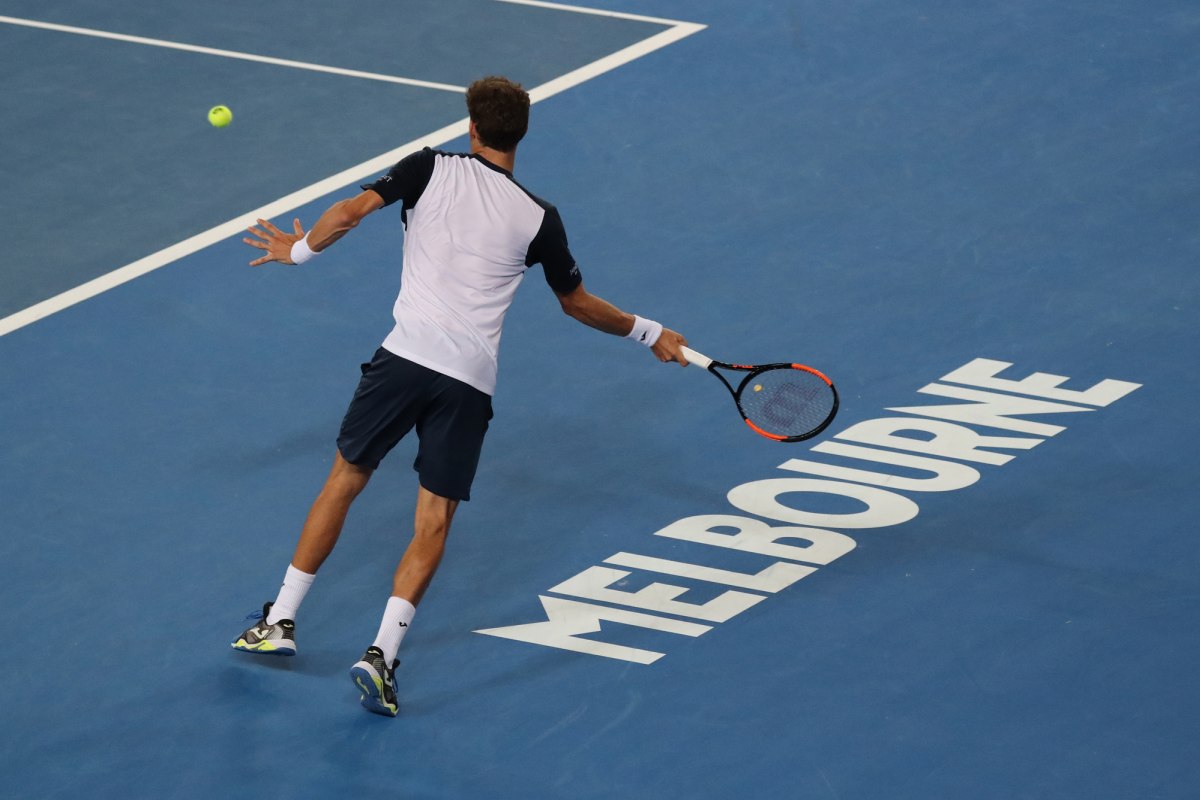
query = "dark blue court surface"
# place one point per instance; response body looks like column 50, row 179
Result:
column 111, row 135
column 886, row 191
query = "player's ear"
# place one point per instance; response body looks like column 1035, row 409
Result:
column 471, row 130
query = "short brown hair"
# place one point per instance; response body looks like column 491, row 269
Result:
column 500, row 110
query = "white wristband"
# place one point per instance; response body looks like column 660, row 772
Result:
column 301, row 252
column 645, row 331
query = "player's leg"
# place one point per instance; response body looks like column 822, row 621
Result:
column 431, row 526
column 374, row 674
column 328, row 514
column 275, row 633
column 384, row 408
column 451, row 429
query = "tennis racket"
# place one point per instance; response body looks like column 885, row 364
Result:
column 784, row 402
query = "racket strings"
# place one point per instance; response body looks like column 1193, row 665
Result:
column 786, row 401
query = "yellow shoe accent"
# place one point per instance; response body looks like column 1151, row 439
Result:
column 263, row 646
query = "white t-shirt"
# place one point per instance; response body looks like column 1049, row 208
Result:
column 471, row 231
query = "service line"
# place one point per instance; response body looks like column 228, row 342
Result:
column 355, row 174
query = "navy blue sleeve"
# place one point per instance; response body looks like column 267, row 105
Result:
column 549, row 248
column 406, row 180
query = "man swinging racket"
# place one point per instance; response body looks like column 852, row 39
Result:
column 471, row 231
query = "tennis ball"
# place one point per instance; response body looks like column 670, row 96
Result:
column 219, row 116
column 758, row 387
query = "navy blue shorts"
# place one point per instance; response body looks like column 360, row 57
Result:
column 394, row 396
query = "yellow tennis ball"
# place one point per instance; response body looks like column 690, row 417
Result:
column 758, row 387
column 219, row 116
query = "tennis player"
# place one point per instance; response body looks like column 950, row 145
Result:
column 471, row 231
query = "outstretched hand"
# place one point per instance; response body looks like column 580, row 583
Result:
column 277, row 243
column 668, row 347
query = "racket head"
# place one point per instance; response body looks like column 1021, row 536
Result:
column 786, row 402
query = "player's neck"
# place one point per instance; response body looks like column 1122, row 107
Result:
column 501, row 159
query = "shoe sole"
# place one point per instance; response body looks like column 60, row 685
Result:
column 372, row 689
column 265, row 648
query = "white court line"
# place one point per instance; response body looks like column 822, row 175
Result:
column 599, row 12
column 212, row 51
column 285, row 205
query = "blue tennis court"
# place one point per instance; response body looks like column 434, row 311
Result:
column 980, row 220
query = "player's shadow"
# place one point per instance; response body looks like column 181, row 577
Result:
column 414, row 702
column 314, row 662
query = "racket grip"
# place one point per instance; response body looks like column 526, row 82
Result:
column 698, row 359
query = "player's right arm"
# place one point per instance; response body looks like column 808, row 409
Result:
column 550, row 249
column 598, row 313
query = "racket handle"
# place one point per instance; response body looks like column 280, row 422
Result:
column 698, row 359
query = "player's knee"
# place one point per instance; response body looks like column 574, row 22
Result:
column 432, row 532
column 348, row 479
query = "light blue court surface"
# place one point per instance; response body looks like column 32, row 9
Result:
column 885, row 191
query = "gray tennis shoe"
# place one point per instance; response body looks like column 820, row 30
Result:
column 377, row 682
column 278, row 639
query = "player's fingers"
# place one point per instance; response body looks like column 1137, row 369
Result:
column 668, row 354
column 257, row 233
column 678, row 355
column 296, row 225
column 258, row 261
column 255, row 243
column 266, row 224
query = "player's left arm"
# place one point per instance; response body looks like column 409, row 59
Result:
column 598, row 313
column 335, row 223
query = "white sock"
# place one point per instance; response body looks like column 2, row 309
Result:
column 291, row 595
column 396, row 618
